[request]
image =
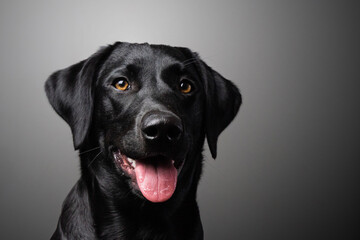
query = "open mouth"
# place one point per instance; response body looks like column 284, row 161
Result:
column 156, row 176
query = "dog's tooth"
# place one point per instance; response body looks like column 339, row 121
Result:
column 132, row 162
column 172, row 161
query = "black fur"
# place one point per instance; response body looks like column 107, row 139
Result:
column 104, row 204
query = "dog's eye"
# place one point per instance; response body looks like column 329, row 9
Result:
column 121, row 84
column 185, row 86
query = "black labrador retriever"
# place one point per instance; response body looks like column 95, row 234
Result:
column 139, row 115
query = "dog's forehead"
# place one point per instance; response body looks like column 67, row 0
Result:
column 144, row 55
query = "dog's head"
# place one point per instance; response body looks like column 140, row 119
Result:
column 148, row 108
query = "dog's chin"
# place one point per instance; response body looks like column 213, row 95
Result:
column 154, row 177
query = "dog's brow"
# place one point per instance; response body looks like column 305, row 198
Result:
column 174, row 68
column 133, row 68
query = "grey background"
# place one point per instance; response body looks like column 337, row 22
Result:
column 288, row 166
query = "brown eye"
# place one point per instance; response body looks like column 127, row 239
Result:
column 185, row 86
column 121, row 84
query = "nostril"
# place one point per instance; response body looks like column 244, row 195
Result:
column 173, row 133
column 151, row 132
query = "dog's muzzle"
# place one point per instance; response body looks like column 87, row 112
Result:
column 156, row 173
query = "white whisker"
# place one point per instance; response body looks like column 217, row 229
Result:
column 189, row 61
column 94, row 158
column 86, row 151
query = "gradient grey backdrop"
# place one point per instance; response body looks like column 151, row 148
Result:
column 288, row 166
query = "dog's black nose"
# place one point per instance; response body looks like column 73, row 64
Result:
column 161, row 128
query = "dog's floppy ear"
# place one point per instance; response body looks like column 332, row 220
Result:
column 70, row 92
column 223, row 101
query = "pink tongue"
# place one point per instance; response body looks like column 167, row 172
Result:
column 157, row 181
